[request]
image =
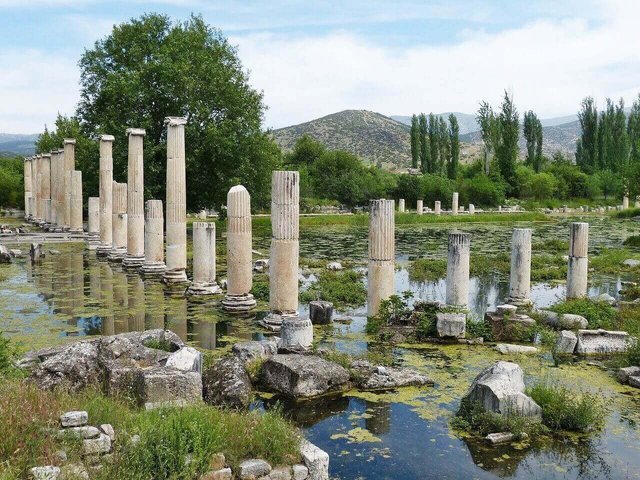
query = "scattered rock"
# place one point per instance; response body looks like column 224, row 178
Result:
column 316, row 460
column 187, row 359
column 506, row 348
column 82, row 432
column 261, row 265
column 634, row 381
column 5, row 257
column 631, row 262
column 451, row 324
column 335, row 266
column 221, row 474
column 626, row 372
column 74, row 419
column 252, row 469
column 300, row 472
column 500, row 389
column 566, row 342
column 107, row 429
column 217, row 461
column 45, row 473
column 227, row 383
column 501, row 437
column 15, row 253
column 383, row 378
column 296, row 335
column 97, row 446
column 248, row 352
column 605, row 297
column 280, row 473
column 54, row 252
column 601, row 342
column 303, row 375
column 320, row 312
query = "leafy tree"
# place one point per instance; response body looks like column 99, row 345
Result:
column 633, row 132
column 410, row 187
column 415, row 141
column 424, row 147
column 610, row 183
column 454, row 142
column 620, row 139
column 11, row 182
column 489, row 130
column 150, row 68
column 539, row 159
column 305, row 152
column 482, row 190
column 434, row 144
column 507, row 148
column 444, row 147
column 532, row 129
column 587, row 148
column 436, row 187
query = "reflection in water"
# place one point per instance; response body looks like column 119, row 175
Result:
column 106, row 297
column 120, row 301
column 378, row 417
column 177, row 316
column 136, row 303
column 204, row 334
column 153, row 304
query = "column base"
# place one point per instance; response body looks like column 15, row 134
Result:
column 273, row 321
column 175, row 277
column 204, row 289
column 239, row 303
column 152, row 269
column 521, row 303
column 132, row 262
column 117, row 255
column 103, row 250
column 296, row 334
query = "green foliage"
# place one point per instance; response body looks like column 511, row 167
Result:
column 507, row 148
column 611, row 261
column 479, row 328
column 633, row 354
column 454, row 144
column 546, row 267
column 427, row 269
column 343, row 289
column 598, row 314
column 11, row 182
column 532, row 129
column 410, row 187
column 563, row 409
column 415, row 142
column 393, row 310
column 482, row 191
column 473, row 418
column 260, row 287
column 483, row 265
column 435, row 187
column 150, row 68
column 163, row 345
column 628, row 213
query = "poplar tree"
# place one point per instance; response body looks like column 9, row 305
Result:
column 507, row 149
column 633, row 132
column 434, row 144
column 424, row 148
column 415, row 142
column 454, row 141
column 587, row 151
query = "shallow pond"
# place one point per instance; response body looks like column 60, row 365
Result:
column 399, row 435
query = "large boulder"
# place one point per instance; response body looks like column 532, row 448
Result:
column 226, row 383
column 316, row 460
column 76, row 366
column 568, row 321
column 248, row 352
column 500, row 389
column 625, row 373
column 320, row 312
column 303, row 375
column 5, row 254
column 594, row 342
column 566, row 342
column 376, row 377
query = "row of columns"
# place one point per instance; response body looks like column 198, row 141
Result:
column 437, row 208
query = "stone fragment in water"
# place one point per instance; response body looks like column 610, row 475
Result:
column 602, row 341
column 506, row 348
column 626, row 372
column 451, row 325
column 383, row 378
column 74, row 419
column 335, row 266
column 500, row 437
column 320, row 312
column 296, row 334
column 226, row 383
column 566, row 342
column 187, row 359
column 500, row 389
column 248, row 352
column 252, row 469
column 634, row 381
column 303, row 375
column 316, row 460
column 5, row 257
column 97, row 446
column 631, row 262
column 45, row 473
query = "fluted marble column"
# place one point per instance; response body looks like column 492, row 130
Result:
column 520, row 278
column 239, row 255
column 381, row 282
column 283, row 261
column 93, row 223
column 401, row 205
column 135, row 200
column 119, row 222
column 153, row 239
column 59, row 190
column 578, row 260
column 106, row 195
column 176, row 202
column 472, row 209
column 54, row 189
column 437, row 207
column 204, row 260
column 37, row 175
column 76, row 202
column 625, row 202
column 454, row 203
column 458, row 270
column 419, row 207
column 27, row 188
column 69, row 166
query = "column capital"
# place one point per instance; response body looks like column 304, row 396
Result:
column 136, row 131
column 70, row 141
column 107, row 138
column 175, row 121
column 46, row 155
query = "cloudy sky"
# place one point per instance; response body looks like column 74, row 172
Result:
column 315, row 58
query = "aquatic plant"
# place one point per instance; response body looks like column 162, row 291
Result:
column 598, row 314
column 426, row 269
column 632, row 241
column 611, row 261
column 260, row 288
column 473, row 418
column 343, row 289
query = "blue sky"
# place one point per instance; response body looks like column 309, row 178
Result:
column 315, row 58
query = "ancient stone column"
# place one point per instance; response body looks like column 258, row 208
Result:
column 283, row 260
column 69, row 166
column 54, row 189
column 401, row 205
column 93, row 224
column 437, row 207
column 381, row 281
column 458, row 270
column 27, row 188
column 419, row 207
column 153, row 239
column 106, row 195
column 38, row 188
column 239, row 259
column 520, row 279
column 578, row 260
column 46, row 187
column 176, row 203
column 472, row 209
column 119, row 222
column 625, row 202
column 59, row 190
column 454, row 204
column 135, row 200
column 76, row 202
column 204, row 260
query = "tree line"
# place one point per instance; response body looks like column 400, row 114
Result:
column 435, row 144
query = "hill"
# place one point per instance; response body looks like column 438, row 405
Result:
column 377, row 139
column 18, row 144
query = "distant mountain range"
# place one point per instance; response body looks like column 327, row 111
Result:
column 18, row 144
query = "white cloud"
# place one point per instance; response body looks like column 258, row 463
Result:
column 550, row 65
column 34, row 87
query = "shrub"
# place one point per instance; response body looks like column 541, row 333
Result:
column 343, row 289
column 598, row 314
column 473, row 418
column 563, row 409
column 482, row 191
column 425, row 269
column 436, row 187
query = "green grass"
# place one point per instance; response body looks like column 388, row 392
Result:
column 632, row 241
column 343, row 289
column 427, row 269
column 473, row 418
column 598, row 314
column 548, row 267
column 610, row 261
column 163, row 345
column 628, row 213
column 260, row 288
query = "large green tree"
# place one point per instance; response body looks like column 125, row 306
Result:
column 507, row 148
column 587, row 146
column 415, row 142
column 532, row 130
column 424, row 146
column 489, row 130
column 454, row 142
column 150, row 68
